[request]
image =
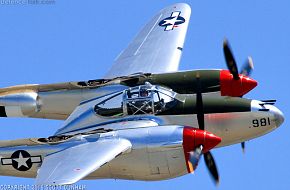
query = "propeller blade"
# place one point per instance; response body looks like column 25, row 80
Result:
column 230, row 60
column 243, row 146
column 194, row 156
column 248, row 67
column 199, row 104
column 211, row 166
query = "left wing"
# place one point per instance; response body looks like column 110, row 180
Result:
column 158, row 46
column 71, row 165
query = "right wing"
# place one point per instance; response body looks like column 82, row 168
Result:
column 158, row 46
column 73, row 164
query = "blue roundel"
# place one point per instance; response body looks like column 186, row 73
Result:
column 171, row 22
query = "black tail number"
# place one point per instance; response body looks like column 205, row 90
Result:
column 261, row 122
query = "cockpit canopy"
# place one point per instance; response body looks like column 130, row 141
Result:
column 144, row 99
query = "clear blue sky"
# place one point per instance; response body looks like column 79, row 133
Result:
column 78, row 40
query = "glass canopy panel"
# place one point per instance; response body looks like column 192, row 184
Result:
column 144, row 99
column 111, row 107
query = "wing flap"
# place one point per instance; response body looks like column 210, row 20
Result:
column 73, row 164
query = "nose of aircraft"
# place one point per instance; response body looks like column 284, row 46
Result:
column 268, row 107
column 278, row 115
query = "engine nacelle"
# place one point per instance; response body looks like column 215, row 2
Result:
column 19, row 104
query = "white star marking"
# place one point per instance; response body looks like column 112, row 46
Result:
column 21, row 161
column 171, row 21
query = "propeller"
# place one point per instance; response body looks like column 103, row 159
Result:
column 232, row 65
column 230, row 60
column 195, row 155
column 243, row 144
column 246, row 69
column 211, row 166
column 199, row 103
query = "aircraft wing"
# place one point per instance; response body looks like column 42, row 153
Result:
column 74, row 163
column 158, row 46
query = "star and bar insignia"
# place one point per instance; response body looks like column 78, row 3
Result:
column 21, row 160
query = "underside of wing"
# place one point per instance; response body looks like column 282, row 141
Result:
column 73, row 164
column 158, row 46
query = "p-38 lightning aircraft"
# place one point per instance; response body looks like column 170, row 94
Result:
column 144, row 121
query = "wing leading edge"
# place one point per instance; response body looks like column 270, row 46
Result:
column 73, row 164
column 158, row 46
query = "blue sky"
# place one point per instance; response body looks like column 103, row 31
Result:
column 78, row 40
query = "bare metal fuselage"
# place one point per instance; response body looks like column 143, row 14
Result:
column 152, row 156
